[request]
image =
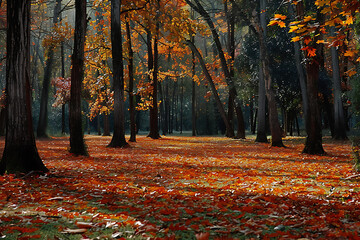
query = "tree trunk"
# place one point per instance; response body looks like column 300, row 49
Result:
column 154, row 127
column 131, row 85
column 182, row 106
column 261, row 111
column 43, row 115
column 339, row 121
column 62, row 53
column 118, row 139
column 20, row 152
column 240, row 123
column 193, row 95
column 276, row 133
column 2, row 121
column 106, row 125
column 298, row 62
column 212, row 85
column 98, row 125
column 229, row 80
column 313, row 143
column 77, row 145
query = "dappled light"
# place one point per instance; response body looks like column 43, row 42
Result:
column 183, row 186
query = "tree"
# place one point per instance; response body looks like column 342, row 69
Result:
column 224, row 65
column 154, row 67
column 339, row 118
column 276, row 133
column 77, row 145
column 42, row 124
column 211, row 83
column 118, row 139
column 132, row 99
column 20, row 153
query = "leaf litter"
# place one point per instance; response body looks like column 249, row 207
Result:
column 184, row 188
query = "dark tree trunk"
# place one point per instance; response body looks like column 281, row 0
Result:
column 193, row 94
column 98, row 125
column 2, row 121
column 212, row 86
column 229, row 80
column 261, row 110
column 240, row 123
column 298, row 61
column 276, row 133
column 118, row 139
column 339, row 120
column 131, row 85
column 313, row 143
column 43, row 115
column 261, row 132
column 77, row 145
column 154, row 126
column 62, row 53
column 182, row 106
column 106, row 125
column 20, row 153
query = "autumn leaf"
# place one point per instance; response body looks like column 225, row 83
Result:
column 295, row 39
column 350, row 53
column 202, row 236
column 307, row 40
column 280, row 16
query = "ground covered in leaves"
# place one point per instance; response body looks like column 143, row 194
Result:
column 184, row 188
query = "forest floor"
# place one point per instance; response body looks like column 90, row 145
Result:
column 184, row 188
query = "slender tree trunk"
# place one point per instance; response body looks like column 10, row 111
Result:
column 193, row 92
column 77, row 145
column 62, row 53
column 298, row 62
column 240, row 123
column 106, row 125
column 182, row 106
column 261, row 111
column 276, row 133
column 43, row 115
column 118, row 139
column 154, row 127
column 313, row 143
column 20, row 153
column 2, row 121
column 131, row 85
column 212, row 85
column 98, row 125
column 339, row 121
column 229, row 80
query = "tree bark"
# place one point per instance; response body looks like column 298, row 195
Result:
column 154, row 125
column 118, row 139
column 131, row 85
column 276, row 133
column 229, row 80
column 193, row 95
column 106, row 125
column 77, row 145
column 313, row 143
column 20, row 152
column 339, row 121
column 43, row 115
column 299, row 65
column 212, row 86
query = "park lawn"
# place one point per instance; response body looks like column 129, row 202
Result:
column 184, row 188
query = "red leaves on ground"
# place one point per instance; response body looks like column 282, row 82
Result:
column 203, row 187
